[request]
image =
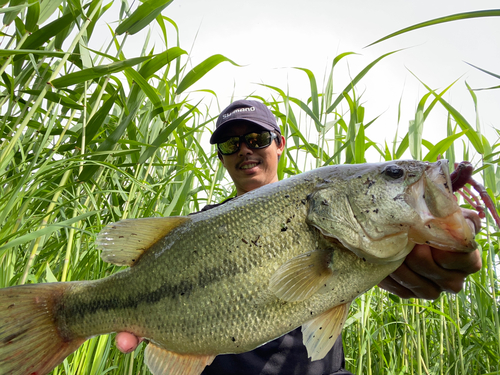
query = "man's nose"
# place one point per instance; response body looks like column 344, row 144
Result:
column 245, row 150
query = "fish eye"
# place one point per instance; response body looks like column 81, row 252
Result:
column 394, row 172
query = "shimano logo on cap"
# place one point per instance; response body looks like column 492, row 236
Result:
column 247, row 109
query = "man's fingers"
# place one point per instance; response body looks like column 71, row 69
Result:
column 418, row 285
column 427, row 272
column 463, row 262
column 422, row 262
column 393, row 287
column 126, row 342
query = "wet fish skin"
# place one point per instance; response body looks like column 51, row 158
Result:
column 204, row 289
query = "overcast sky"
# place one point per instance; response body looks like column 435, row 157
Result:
column 269, row 37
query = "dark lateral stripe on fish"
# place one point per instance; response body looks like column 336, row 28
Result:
column 90, row 304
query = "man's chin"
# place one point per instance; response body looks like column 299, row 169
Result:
column 252, row 182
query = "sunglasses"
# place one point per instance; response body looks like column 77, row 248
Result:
column 252, row 140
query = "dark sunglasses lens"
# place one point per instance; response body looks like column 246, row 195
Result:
column 230, row 146
column 258, row 140
column 252, row 140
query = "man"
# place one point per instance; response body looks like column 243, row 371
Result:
column 249, row 143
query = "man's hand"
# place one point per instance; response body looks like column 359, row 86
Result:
column 127, row 342
column 427, row 271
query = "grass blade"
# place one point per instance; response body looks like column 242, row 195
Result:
column 441, row 147
column 142, row 16
column 200, row 70
column 356, row 79
column 43, row 35
column 96, row 72
column 436, row 21
column 485, row 71
column 45, row 231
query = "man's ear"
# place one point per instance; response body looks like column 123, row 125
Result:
column 281, row 147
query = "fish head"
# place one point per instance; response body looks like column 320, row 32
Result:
column 380, row 211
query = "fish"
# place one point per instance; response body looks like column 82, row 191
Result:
column 293, row 253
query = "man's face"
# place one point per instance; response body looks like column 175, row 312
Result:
column 252, row 168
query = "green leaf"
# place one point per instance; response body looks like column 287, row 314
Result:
column 98, row 120
column 142, row 16
column 314, row 91
column 10, row 52
column 163, row 136
column 351, row 131
column 436, row 21
column 134, row 101
column 14, row 9
column 49, row 275
column 405, row 143
column 462, row 122
column 489, row 171
column 16, row 6
column 450, row 151
column 308, row 111
column 387, row 153
column 415, row 135
column 45, row 231
column 63, row 34
column 441, row 147
column 428, row 145
column 100, row 13
column 200, row 70
column 32, row 15
column 57, row 98
column 47, row 9
column 43, row 35
column 160, row 60
column 329, row 84
column 356, row 79
column 9, row 84
column 359, row 152
column 150, row 92
column 96, row 72
column 485, row 71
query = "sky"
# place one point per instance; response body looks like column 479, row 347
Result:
column 271, row 37
column 268, row 38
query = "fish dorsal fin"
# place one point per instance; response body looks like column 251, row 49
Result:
column 302, row 276
column 320, row 333
column 163, row 362
column 123, row 242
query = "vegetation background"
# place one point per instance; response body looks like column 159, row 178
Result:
column 89, row 137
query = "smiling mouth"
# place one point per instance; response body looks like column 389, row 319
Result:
column 249, row 165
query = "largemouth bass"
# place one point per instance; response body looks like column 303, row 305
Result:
column 289, row 254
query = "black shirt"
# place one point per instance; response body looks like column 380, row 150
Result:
column 285, row 355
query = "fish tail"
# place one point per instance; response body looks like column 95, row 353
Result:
column 30, row 341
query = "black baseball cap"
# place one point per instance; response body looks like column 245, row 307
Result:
column 244, row 110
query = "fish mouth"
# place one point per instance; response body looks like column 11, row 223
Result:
column 442, row 223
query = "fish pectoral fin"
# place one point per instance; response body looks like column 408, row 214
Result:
column 162, row 362
column 320, row 333
column 122, row 243
column 302, row 276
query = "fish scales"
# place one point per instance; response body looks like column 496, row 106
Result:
column 200, row 281
column 209, row 286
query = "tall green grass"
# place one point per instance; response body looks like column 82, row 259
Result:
column 89, row 137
